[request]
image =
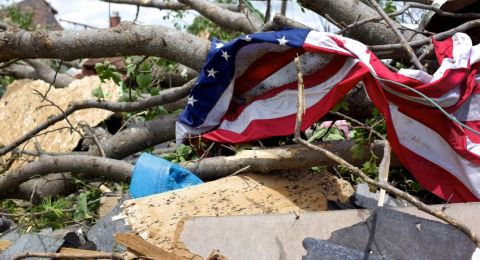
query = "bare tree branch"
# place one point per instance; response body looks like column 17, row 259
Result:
column 281, row 158
column 166, row 5
column 69, row 256
column 140, row 137
column 90, row 165
column 124, row 39
column 47, row 74
column 224, row 18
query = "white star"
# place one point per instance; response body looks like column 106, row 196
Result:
column 282, row 41
column 218, row 45
column 191, row 101
column 247, row 38
column 211, row 73
column 225, row 55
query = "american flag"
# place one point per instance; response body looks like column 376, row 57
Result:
column 247, row 90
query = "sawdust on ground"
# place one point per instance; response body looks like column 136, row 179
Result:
column 159, row 218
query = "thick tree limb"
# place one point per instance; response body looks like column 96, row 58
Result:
column 90, row 165
column 349, row 11
column 19, row 71
column 166, row 96
column 281, row 158
column 280, row 22
column 37, row 70
column 36, row 189
column 165, row 5
column 47, row 74
column 125, row 39
column 140, row 137
column 224, row 18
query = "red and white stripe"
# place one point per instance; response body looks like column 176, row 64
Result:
column 444, row 157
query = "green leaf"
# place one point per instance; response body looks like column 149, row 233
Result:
column 98, row 93
column 82, row 211
column 144, row 80
column 357, row 151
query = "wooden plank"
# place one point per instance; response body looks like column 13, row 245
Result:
column 4, row 244
column 75, row 251
column 142, row 247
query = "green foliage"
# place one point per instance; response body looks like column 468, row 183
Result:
column 334, row 134
column 54, row 212
column 84, row 209
column 183, row 153
column 13, row 15
column 389, row 7
column 108, row 71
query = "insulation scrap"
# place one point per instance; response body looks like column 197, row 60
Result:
column 21, row 110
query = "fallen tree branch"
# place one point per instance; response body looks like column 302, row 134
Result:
column 124, row 39
column 140, row 137
column 280, row 22
column 42, row 71
column 69, row 256
column 47, row 74
column 90, row 165
column 166, row 5
column 281, row 158
column 224, row 18
column 166, row 96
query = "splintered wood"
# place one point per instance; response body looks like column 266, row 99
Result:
column 159, row 218
column 22, row 110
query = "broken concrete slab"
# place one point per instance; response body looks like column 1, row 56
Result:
column 159, row 218
column 280, row 236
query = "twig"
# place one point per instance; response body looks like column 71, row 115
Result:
column 440, row 36
column 54, row 78
column 70, row 256
column 405, row 8
column 404, row 42
column 301, row 98
column 136, row 14
column 240, row 170
column 45, row 98
column 383, row 170
column 95, row 139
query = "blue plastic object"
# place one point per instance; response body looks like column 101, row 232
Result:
column 152, row 175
